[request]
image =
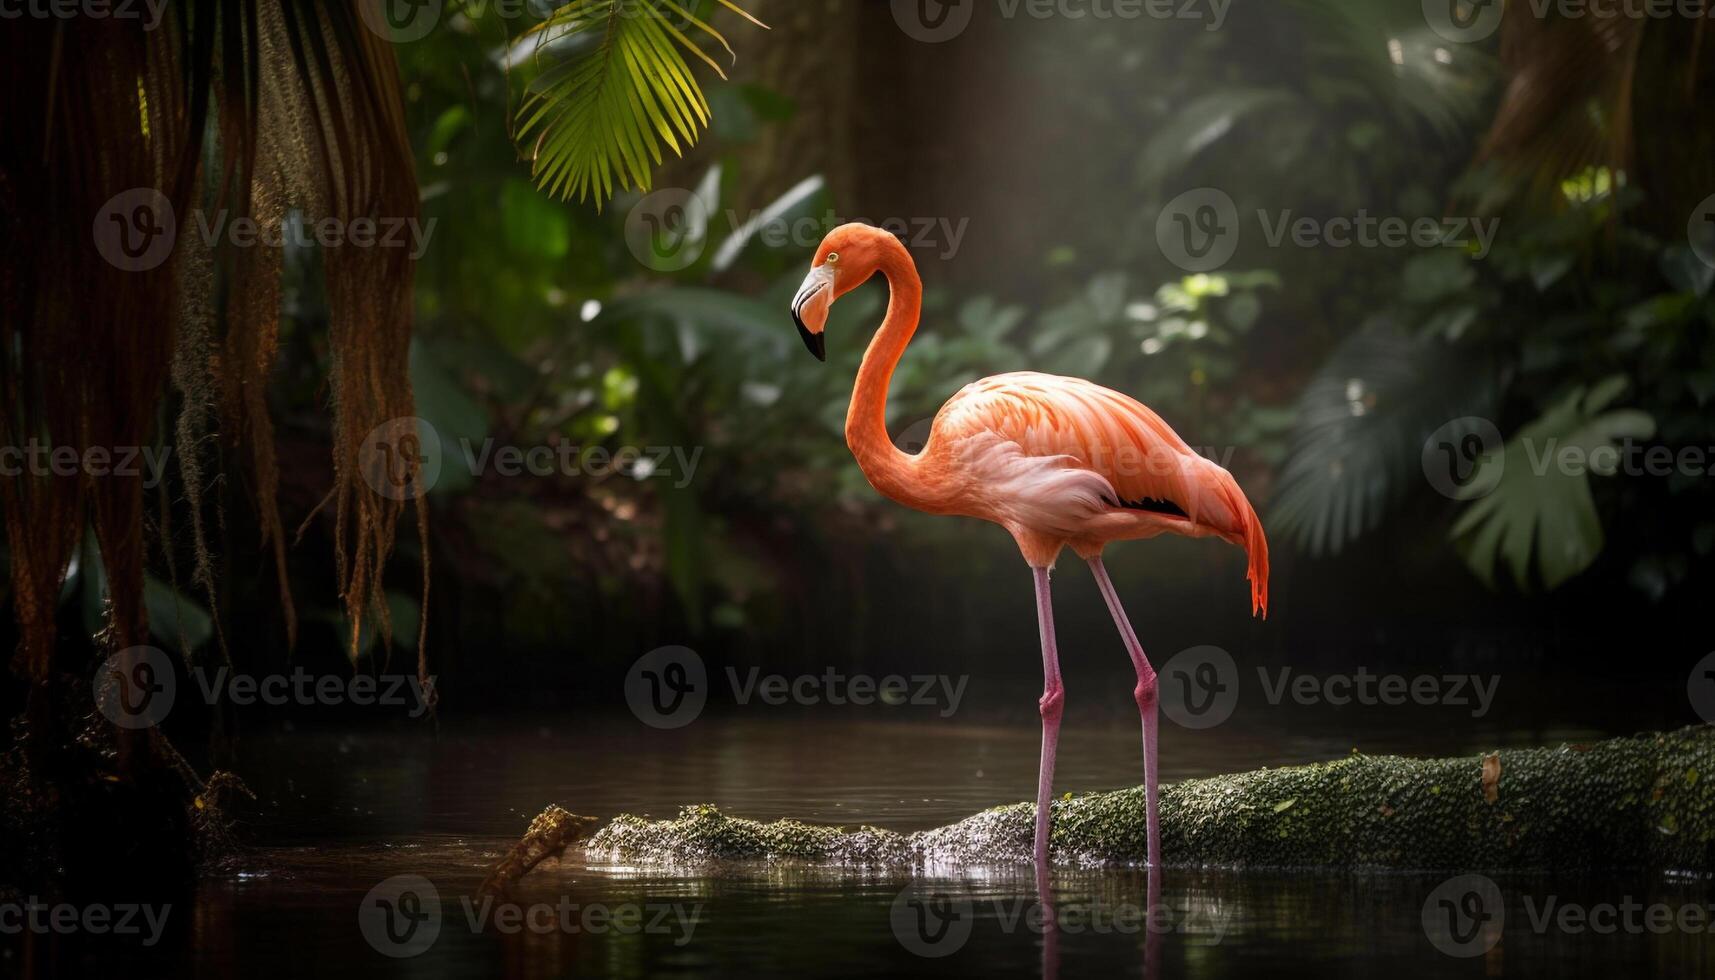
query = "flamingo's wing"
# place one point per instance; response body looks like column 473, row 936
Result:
column 1069, row 450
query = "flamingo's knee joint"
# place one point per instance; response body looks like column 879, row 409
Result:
column 1052, row 704
column 1145, row 694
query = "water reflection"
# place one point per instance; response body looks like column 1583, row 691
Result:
column 369, row 808
column 287, row 908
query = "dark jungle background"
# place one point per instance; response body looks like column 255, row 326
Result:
column 1051, row 146
column 1398, row 412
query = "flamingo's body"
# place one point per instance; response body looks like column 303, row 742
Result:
column 1056, row 461
column 1066, row 462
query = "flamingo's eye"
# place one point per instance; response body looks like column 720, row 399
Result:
column 832, row 258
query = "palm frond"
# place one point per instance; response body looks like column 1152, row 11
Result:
column 597, row 120
column 1362, row 424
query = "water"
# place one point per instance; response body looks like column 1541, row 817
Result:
column 343, row 813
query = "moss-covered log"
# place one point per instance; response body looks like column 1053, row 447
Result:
column 1642, row 802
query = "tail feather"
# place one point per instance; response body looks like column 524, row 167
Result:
column 1245, row 530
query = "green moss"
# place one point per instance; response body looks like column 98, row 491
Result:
column 1626, row 802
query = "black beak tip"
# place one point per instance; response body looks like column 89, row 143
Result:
column 816, row 342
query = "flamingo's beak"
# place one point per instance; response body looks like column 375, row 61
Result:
column 810, row 309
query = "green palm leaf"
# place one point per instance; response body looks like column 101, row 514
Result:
column 597, row 120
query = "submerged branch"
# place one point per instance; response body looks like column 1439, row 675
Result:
column 1646, row 801
column 549, row 835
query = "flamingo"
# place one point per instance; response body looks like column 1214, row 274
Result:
column 1056, row 461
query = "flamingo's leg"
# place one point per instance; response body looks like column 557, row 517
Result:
column 1053, row 698
column 1146, row 697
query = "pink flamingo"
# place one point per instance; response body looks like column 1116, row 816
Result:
column 1056, row 461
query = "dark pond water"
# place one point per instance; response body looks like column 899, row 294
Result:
column 342, row 814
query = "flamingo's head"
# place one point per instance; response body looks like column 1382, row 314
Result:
column 844, row 261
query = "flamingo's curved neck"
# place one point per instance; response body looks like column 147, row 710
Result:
column 889, row 470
